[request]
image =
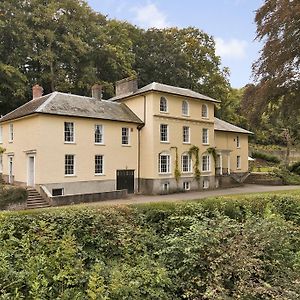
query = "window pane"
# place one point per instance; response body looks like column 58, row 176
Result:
column 164, row 132
column 98, row 134
column 185, row 163
column 205, row 136
column 69, row 132
column 204, row 111
column 163, row 104
column 125, row 136
column 164, row 163
column 186, row 134
column 185, row 108
column 69, row 164
column 98, row 164
column 205, row 163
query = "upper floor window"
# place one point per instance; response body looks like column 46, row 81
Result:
column 205, row 163
column 125, row 136
column 163, row 105
column 99, row 165
column 238, row 162
column 186, row 163
column 69, row 132
column 1, row 135
column 98, row 134
column 185, row 108
column 186, row 134
column 204, row 112
column 11, row 132
column 205, row 136
column 238, row 143
column 164, row 133
column 69, row 164
column 164, row 163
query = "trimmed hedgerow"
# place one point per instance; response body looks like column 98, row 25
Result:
column 212, row 249
column 265, row 156
column 11, row 196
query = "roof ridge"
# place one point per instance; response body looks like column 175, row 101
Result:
column 42, row 106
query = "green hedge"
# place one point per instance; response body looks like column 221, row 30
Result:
column 295, row 168
column 212, row 249
column 11, row 195
column 265, row 156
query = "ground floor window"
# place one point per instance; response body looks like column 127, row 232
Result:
column 58, row 192
column 205, row 183
column 69, row 164
column 165, row 187
column 186, row 163
column 164, row 163
column 205, row 163
column 98, row 164
column 238, row 162
column 186, row 185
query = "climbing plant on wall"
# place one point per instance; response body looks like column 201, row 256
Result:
column 194, row 151
column 177, row 172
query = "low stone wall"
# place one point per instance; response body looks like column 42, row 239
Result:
column 263, row 178
column 86, row 198
column 226, row 181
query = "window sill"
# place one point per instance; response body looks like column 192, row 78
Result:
column 186, row 143
column 238, row 147
column 205, row 172
column 165, row 173
column 123, row 145
column 99, row 174
column 10, row 142
column 205, row 144
column 99, row 144
column 70, row 175
column 187, row 173
column 206, row 118
column 164, row 142
column 186, row 116
column 70, row 143
column 164, row 112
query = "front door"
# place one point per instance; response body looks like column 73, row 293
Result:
column 10, row 170
column 125, row 180
column 30, row 171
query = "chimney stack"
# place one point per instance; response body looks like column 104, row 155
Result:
column 126, row 86
column 37, row 91
column 97, row 91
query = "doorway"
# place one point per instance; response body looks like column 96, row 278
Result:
column 31, row 171
column 125, row 180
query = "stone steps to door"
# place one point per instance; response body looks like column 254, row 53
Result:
column 35, row 200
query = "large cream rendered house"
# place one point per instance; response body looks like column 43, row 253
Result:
column 68, row 144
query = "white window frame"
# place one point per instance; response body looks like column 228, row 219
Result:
column 167, row 169
column 238, row 162
column 204, row 112
column 238, row 142
column 164, row 133
column 74, row 165
column 101, row 164
column 186, row 135
column 125, row 134
column 186, row 168
column 185, row 109
column 205, row 136
column 205, row 184
column 186, row 185
column 10, row 132
column 205, row 162
column 163, row 104
column 165, row 187
column 101, row 134
column 72, row 133
column 1, row 134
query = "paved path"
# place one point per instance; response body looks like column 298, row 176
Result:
column 247, row 188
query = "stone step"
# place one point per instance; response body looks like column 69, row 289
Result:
column 35, row 200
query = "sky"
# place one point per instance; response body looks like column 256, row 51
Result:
column 230, row 22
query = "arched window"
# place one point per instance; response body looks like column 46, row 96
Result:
column 185, row 108
column 204, row 111
column 163, row 105
column 186, row 163
column 164, row 163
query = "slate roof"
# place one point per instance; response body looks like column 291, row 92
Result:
column 221, row 125
column 73, row 105
column 159, row 87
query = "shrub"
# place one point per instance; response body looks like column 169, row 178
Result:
column 286, row 176
column 266, row 157
column 12, row 195
column 295, row 167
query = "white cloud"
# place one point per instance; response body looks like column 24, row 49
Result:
column 150, row 16
column 233, row 48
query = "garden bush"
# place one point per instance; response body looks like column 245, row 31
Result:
column 286, row 176
column 267, row 157
column 295, row 167
column 11, row 196
column 247, row 248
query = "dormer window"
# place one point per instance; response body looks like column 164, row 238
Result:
column 163, row 105
column 185, row 108
column 204, row 113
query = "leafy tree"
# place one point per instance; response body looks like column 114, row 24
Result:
column 275, row 99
